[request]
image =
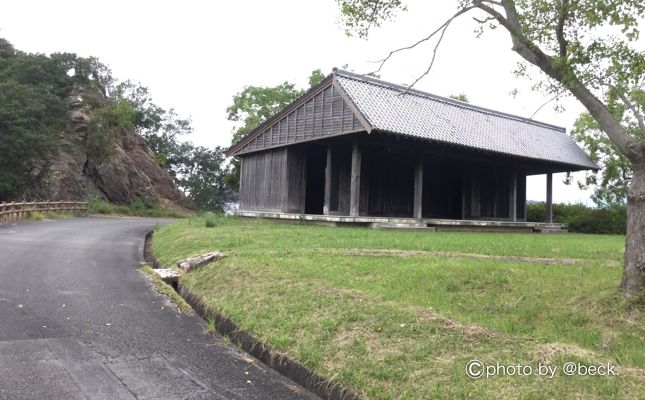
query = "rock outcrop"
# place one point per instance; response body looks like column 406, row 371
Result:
column 127, row 174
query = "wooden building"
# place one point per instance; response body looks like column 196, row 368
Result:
column 361, row 147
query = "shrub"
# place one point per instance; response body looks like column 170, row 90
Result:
column 583, row 219
column 210, row 220
column 137, row 208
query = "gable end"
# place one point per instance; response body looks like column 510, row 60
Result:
column 322, row 112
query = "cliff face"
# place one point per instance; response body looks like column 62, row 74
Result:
column 128, row 173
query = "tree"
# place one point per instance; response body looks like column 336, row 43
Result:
column 584, row 48
column 316, row 77
column 255, row 104
column 198, row 171
column 611, row 183
column 30, row 119
column 201, row 175
column 460, row 97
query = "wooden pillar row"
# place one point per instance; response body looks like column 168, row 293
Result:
column 418, row 187
column 355, row 188
column 549, row 197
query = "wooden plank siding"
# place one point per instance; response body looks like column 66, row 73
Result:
column 263, row 177
column 325, row 114
column 273, row 180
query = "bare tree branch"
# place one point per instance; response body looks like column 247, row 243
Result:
column 483, row 21
column 497, row 3
column 434, row 56
column 560, row 93
column 441, row 30
column 633, row 108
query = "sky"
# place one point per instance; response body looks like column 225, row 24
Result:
column 194, row 56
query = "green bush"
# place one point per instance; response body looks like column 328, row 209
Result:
column 210, row 220
column 583, row 219
column 136, row 208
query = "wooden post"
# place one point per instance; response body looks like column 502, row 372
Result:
column 512, row 201
column 327, row 204
column 418, row 187
column 464, row 186
column 475, row 204
column 549, row 197
column 355, row 188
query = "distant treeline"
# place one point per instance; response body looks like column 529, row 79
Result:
column 608, row 220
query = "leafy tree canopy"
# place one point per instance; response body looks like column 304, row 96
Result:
column 460, row 97
column 611, row 183
column 255, row 104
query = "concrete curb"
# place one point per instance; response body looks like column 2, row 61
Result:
column 148, row 256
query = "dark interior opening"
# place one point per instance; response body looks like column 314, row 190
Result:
column 442, row 189
column 391, row 179
column 315, row 184
column 340, row 179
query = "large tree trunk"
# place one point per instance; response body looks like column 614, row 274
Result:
column 634, row 269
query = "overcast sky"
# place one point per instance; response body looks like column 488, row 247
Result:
column 196, row 55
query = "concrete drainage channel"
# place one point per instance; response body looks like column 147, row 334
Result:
column 246, row 341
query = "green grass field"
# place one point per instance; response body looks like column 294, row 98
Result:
column 400, row 314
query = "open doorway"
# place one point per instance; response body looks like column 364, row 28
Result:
column 315, row 186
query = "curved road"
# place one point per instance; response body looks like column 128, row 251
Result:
column 79, row 321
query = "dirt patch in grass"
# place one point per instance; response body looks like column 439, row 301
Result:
column 446, row 254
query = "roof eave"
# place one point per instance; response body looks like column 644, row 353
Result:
column 567, row 167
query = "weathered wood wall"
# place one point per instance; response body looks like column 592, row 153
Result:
column 296, row 180
column 273, row 180
column 263, row 180
column 324, row 114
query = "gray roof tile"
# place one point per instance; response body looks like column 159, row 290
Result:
column 393, row 108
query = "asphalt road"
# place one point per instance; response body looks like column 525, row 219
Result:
column 79, row 321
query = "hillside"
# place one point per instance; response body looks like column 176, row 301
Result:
column 67, row 132
column 120, row 169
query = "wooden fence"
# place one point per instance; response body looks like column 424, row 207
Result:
column 15, row 211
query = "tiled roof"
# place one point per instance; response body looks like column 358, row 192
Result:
column 395, row 109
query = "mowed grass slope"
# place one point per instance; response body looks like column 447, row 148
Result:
column 399, row 314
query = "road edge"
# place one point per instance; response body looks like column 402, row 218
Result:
column 247, row 342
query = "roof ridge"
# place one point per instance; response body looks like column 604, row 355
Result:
column 454, row 102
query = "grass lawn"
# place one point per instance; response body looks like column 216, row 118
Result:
column 399, row 314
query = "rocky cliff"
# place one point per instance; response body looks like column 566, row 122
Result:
column 126, row 174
